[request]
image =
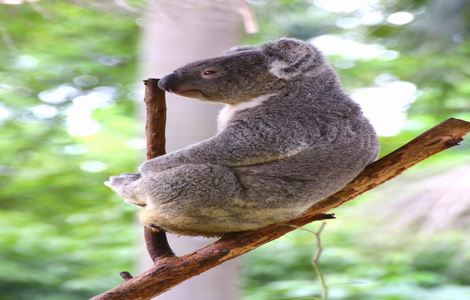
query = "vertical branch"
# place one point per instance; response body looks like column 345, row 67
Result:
column 155, row 106
column 155, row 238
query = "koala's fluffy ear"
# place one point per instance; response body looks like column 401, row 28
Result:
column 239, row 49
column 289, row 58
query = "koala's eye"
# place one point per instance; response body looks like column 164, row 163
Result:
column 209, row 72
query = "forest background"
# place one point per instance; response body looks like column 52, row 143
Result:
column 68, row 94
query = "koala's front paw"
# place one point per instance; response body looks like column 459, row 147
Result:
column 124, row 186
column 121, row 181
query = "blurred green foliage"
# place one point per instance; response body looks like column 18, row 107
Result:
column 63, row 235
column 359, row 266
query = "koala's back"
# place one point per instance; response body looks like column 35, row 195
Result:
column 343, row 145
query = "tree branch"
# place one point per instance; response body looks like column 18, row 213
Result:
column 170, row 271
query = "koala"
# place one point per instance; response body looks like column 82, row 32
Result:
column 288, row 137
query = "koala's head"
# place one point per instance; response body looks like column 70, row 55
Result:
column 245, row 72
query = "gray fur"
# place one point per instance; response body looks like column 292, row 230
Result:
column 291, row 138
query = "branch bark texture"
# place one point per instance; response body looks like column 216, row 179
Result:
column 170, row 271
column 155, row 238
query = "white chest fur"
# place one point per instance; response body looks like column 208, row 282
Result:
column 229, row 110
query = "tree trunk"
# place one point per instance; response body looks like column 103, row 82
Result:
column 175, row 33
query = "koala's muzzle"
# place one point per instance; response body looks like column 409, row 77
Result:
column 174, row 83
column 169, row 82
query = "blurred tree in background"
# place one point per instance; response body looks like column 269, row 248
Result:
column 67, row 85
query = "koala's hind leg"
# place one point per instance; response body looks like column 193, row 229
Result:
column 199, row 199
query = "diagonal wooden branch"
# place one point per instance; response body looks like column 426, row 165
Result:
column 170, row 271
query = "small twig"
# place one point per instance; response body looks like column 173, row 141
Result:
column 319, row 251
column 319, row 217
column 126, row 275
column 316, row 257
column 316, row 263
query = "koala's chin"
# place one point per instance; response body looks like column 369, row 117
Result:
column 193, row 93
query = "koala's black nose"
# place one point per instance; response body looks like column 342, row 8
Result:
column 169, row 82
